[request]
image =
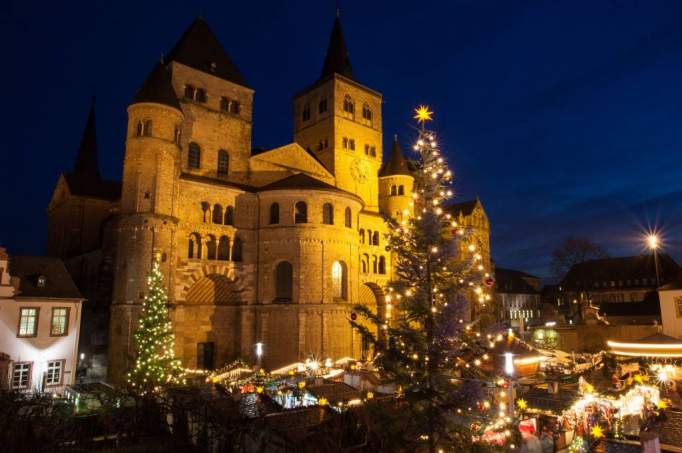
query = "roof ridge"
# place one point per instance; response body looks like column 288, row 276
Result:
column 337, row 59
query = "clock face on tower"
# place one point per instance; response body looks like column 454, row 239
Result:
column 359, row 170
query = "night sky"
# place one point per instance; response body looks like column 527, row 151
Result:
column 564, row 117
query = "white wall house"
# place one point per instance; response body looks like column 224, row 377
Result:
column 670, row 297
column 40, row 315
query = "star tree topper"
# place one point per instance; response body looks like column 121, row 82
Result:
column 423, row 114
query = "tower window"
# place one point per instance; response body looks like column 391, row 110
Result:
column 306, row 112
column 229, row 215
column 348, row 105
column 367, row 113
column 194, row 156
column 351, row 143
column 274, row 214
column 147, row 130
column 200, row 95
column 328, row 214
column 401, row 190
column 339, row 280
column 189, row 92
column 394, row 190
column 139, row 129
column 348, row 218
column 224, row 104
column 223, row 163
column 235, row 107
column 301, row 212
column 322, row 106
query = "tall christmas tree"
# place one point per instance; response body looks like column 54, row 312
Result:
column 424, row 342
column 155, row 364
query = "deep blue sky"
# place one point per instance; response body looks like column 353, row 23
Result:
column 564, row 117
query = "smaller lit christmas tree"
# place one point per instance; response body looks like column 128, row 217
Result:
column 155, row 364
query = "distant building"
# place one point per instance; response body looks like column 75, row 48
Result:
column 517, row 295
column 40, row 315
column 670, row 297
column 623, row 289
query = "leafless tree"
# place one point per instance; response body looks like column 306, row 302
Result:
column 572, row 251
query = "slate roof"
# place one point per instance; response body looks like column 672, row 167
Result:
column 513, row 281
column 158, row 88
column 58, row 282
column 648, row 307
column 337, row 60
column 300, row 181
column 199, row 48
column 396, row 163
column 86, row 160
column 622, row 269
column 84, row 187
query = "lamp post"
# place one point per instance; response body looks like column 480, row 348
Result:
column 509, row 371
column 654, row 243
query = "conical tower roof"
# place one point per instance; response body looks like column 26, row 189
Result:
column 157, row 88
column 396, row 163
column 198, row 48
column 337, row 60
column 86, row 165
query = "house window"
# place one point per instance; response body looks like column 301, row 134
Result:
column 55, row 370
column 274, row 214
column 224, row 104
column 200, row 95
column 284, row 282
column 60, row 321
column 348, row 218
column 194, row 156
column 678, row 306
column 229, row 215
column 189, row 91
column 322, row 106
column 28, row 322
column 306, row 112
column 328, row 214
column 351, row 144
column 301, row 212
column 373, row 151
column 205, row 353
column 339, row 280
column 223, row 163
column 21, row 375
column 348, row 105
column 344, row 142
column 235, row 107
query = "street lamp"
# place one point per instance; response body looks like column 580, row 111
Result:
column 654, row 243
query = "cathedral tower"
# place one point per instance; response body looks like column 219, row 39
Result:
column 396, row 184
column 339, row 120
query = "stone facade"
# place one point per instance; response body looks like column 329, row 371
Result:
column 271, row 247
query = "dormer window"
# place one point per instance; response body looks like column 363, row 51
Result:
column 42, row 281
column 189, row 92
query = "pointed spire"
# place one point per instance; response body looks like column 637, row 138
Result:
column 199, row 48
column 86, row 160
column 396, row 163
column 336, row 59
column 157, row 88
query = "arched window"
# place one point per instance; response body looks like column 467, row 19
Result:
column 339, row 280
column 223, row 163
column 374, row 264
column 237, row 249
column 364, row 263
column 362, row 236
column 328, row 214
column 200, row 95
column 194, row 156
column 369, row 237
column 322, row 107
column 301, row 212
column 189, row 92
column 139, row 130
column 194, row 246
column 382, row 265
column 375, row 238
column 211, row 246
column 348, row 218
column 348, row 105
column 401, row 190
column 274, row 213
column 205, row 207
column 284, row 274
column 218, row 214
column 394, row 190
column 147, row 132
column 306, row 112
column 229, row 215
column 224, row 104
column 224, row 248
column 367, row 113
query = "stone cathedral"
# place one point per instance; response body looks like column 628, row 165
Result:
column 257, row 246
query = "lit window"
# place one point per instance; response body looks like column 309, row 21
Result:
column 328, row 214
column 60, row 321
column 348, row 105
column 339, row 280
column 21, row 374
column 28, row 322
column 54, row 372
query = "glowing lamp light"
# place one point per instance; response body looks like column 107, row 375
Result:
column 259, row 349
column 652, row 241
column 508, row 364
column 597, row 432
